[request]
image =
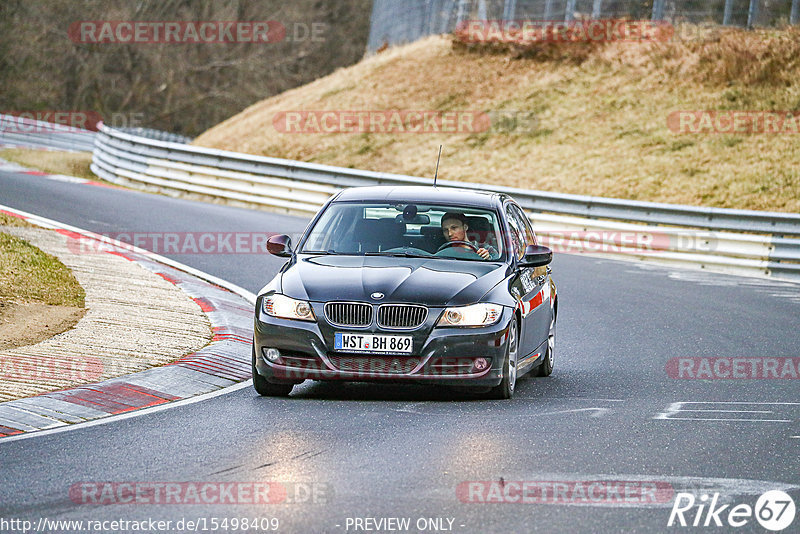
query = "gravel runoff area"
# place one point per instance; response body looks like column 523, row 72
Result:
column 135, row 320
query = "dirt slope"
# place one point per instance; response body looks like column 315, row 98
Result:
column 600, row 111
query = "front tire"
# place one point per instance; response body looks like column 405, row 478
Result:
column 505, row 390
column 546, row 368
column 265, row 388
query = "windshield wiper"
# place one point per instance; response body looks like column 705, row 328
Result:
column 331, row 251
column 399, row 254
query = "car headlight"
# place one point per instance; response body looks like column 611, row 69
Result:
column 472, row 315
column 287, row 308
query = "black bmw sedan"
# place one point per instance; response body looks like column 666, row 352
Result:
column 408, row 284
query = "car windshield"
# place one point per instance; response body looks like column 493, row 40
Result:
column 407, row 229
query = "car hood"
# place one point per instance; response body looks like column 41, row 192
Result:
column 434, row 282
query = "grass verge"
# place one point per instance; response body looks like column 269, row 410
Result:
column 52, row 161
column 9, row 220
column 29, row 275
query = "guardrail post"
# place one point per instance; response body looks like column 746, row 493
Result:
column 462, row 11
column 569, row 12
column 434, row 9
column 794, row 18
column 752, row 14
column 658, row 10
column 548, row 10
column 444, row 16
column 597, row 7
column 509, row 10
column 726, row 16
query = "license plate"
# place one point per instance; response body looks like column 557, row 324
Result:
column 372, row 343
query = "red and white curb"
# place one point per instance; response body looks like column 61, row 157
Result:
column 223, row 363
column 4, row 145
column 8, row 166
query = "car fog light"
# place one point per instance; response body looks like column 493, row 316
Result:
column 454, row 316
column 272, row 355
column 303, row 309
column 480, row 364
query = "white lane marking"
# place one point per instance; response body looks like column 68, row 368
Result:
column 129, row 415
column 674, row 410
column 64, row 178
column 772, row 288
column 599, row 412
column 410, row 408
column 720, row 279
column 8, row 166
column 728, row 488
column 572, row 398
column 731, row 411
column 728, row 419
column 740, row 402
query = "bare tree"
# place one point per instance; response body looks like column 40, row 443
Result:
column 184, row 88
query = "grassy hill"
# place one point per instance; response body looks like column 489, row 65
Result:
column 601, row 117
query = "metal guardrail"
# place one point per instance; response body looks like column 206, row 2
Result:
column 740, row 241
column 25, row 132
column 159, row 135
column 711, row 238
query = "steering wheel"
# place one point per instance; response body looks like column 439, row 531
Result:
column 457, row 244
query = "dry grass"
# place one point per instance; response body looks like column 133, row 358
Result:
column 52, row 161
column 29, row 275
column 9, row 220
column 601, row 117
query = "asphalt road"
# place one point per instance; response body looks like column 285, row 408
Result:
column 609, row 414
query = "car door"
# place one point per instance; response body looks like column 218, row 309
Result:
column 531, row 284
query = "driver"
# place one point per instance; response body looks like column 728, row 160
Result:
column 454, row 228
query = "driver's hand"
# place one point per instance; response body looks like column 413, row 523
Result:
column 483, row 253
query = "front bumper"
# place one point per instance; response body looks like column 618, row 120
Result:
column 444, row 355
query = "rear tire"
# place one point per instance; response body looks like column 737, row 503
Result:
column 265, row 388
column 505, row 390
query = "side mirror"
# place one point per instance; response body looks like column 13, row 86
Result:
column 536, row 256
column 280, row 245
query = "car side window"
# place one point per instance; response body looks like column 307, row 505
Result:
column 530, row 237
column 517, row 232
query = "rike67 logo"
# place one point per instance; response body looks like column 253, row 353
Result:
column 774, row 511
